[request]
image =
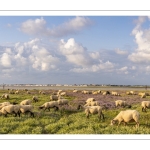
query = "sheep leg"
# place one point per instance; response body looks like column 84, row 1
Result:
column 31, row 114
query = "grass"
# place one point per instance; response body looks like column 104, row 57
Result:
column 67, row 121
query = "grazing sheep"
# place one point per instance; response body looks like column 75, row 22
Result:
column 63, row 94
column 10, row 109
column 55, row 97
column 106, row 93
column 28, row 92
column 94, row 110
column 17, row 92
column 62, row 102
column 26, row 102
column 90, row 100
column 122, row 103
column 87, row 92
column 96, row 92
column 4, row 104
column 35, row 99
column 48, row 105
column 5, row 96
column 115, row 93
column 27, row 109
column 92, row 103
column 75, row 91
column 127, row 116
column 145, row 104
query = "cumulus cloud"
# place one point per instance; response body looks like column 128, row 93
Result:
column 38, row 27
column 142, row 39
column 83, row 60
column 121, row 52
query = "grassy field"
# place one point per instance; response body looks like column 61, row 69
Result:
column 69, row 120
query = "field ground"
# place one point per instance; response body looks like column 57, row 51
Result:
column 69, row 120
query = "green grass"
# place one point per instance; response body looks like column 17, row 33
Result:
column 67, row 121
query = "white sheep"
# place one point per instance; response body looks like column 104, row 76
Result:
column 35, row 99
column 55, row 97
column 91, row 99
column 94, row 110
column 10, row 109
column 145, row 104
column 92, row 103
column 62, row 102
column 48, row 105
column 26, row 102
column 126, row 117
column 27, row 109
column 121, row 103
column 4, row 104
column 5, row 96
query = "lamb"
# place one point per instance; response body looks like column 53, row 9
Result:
column 5, row 96
column 48, row 105
column 26, row 102
column 145, row 104
column 122, row 103
column 27, row 108
column 35, row 99
column 126, row 117
column 10, row 109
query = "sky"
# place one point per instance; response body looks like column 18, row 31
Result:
column 80, row 49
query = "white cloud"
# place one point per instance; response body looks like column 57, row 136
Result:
column 121, row 52
column 142, row 39
column 38, row 27
column 5, row 60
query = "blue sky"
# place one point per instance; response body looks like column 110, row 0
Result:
column 75, row 49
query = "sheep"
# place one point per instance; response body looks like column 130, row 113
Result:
column 10, row 109
column 4, row 104
column 62, row 102
column 5, row 96
column 55, row 97
column 143, row 95
column 92, row 103
column 26, row 102
column 28, row 92
column 63, row 94
column 115, row 93
column 94, row 110
column 96, row 92
column 127, row 116
column 17, row 92
column 48, row 105
column 27, row 108
column 121, row 103
column 87, row 92
column 106, row 93
column 145, row 104
column 35, row 99
column 75, row 91
column 90, row 100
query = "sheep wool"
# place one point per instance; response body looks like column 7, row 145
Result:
column 127, row 116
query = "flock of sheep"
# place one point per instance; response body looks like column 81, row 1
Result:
column 91, row 106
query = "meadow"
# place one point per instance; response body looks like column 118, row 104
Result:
column 69, row 120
